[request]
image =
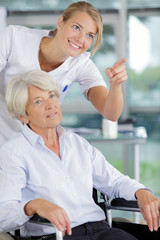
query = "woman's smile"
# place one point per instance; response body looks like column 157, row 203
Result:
column 52, row 115
column 74, row 45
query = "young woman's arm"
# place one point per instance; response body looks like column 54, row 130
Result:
column 110, row 103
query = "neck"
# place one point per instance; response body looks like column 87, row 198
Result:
column 50, row 138
column 52, row 143
column 50, row 56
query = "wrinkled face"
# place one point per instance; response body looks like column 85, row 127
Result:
column 76, row 34
column 43, row 109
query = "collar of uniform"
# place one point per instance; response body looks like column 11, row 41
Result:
column 33, row 137
column 67, row 64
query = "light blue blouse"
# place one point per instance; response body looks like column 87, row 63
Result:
column 29, row 170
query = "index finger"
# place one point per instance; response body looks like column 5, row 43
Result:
column 123, row 60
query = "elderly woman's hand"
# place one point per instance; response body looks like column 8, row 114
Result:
column 53, row 213
column 150, row 208
column 117, row 73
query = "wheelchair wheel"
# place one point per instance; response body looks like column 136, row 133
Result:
column 5, row 236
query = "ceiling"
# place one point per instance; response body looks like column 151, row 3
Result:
column 58, row 5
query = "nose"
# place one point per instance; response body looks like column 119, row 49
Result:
column 49, row 104
column 80, row 37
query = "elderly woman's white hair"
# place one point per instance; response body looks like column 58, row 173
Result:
column 17, row 90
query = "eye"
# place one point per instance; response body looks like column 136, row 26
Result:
column 76, row 27
column 52, row 95
column 90, row 36
column 38, row 102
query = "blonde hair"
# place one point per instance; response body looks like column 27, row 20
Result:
column 94, row 14
column 17, row 90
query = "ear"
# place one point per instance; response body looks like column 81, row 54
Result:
column 23, row 119
column 60, row 22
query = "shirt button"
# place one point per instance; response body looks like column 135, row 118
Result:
column 67, row 177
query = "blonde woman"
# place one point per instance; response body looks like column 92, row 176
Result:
column 63, row 54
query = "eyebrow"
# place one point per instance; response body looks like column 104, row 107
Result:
column 83, row 27
column 40, row 96
column 36, row 98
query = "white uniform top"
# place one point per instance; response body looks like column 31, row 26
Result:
column 19, row 50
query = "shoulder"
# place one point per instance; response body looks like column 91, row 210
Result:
column 18, row 28
column 13, row 153
column 20, row 32
column 78, row 61
column 81, row 63
column 14, row 146
column 15, row 29
column 85, row 56
column 76, row 139
column 81, row 59
column 82, row 147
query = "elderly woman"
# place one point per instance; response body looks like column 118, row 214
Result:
column 50, row 171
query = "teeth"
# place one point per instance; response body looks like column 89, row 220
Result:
column 52, row 114
column 74, row 45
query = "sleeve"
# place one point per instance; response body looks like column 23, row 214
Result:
column 88, row 75
column 12, row 183
column 110, row 181
column 12, row 216
column 5, row 45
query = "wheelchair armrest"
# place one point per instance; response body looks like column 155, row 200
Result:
column 37, row 219
column 40, row 220
column 124, row 203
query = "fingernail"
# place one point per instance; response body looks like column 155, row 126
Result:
column 156, row 228
column 151, row 229
column 110, row 75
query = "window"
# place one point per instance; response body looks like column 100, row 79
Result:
column 144, row 86
column 144, row 61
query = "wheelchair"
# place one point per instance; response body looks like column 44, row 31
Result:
column 139, row 231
